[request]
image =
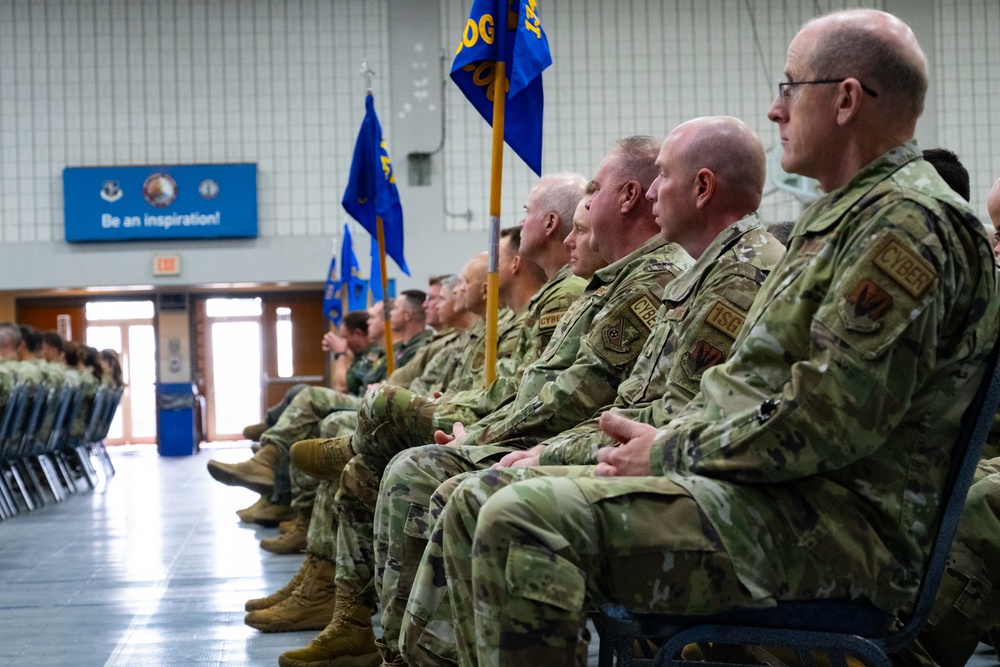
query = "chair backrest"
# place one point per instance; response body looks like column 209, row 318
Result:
column 58, row 410
column 968, row 448
column 96, row 412
column 15, row 405
column 59, row 437
column 108, row 413
column 44, row 392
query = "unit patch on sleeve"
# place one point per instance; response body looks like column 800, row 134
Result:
column 646, row 310
column 725, row 319
column 704, row 356
column 869, row 300
column 913, row 273
column 550, row 320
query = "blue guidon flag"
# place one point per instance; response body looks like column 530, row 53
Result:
column 371, row 187
column 516, row 38
column 357, row 288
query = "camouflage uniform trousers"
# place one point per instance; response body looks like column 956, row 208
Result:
column 968, row 600
column 404, row 518
column 390, row 420
column 321, row 538
column 299, row 421
column 527, row 552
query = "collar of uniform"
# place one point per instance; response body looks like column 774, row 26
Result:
column 444, row 332
column 372, row 347
column 565, row 272
column 680, row 287
column 829, row 209
column 608, row 274
column 505, row 317
column 419, row 339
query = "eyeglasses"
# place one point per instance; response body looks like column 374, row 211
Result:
column 784, row 93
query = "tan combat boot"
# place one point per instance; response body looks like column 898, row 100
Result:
column 322, row 458
column 283, row 594
column 293, row 541
column 309, row 607
column 247, row 513
column 348, row 641
column 287, row 526
column 256, row 474
column 255, row 431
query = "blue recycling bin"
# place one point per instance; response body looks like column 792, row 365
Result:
column 175, row 405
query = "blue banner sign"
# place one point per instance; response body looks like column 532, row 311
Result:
column 196, row 201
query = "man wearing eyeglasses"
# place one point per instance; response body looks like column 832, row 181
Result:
column 811, row 463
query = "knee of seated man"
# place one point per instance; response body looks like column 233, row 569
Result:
column 534, row 570
column 361, row 481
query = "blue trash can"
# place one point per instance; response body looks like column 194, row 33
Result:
column 176, row 434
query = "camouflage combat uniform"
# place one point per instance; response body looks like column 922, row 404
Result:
column 594, row 348
column 426, row 363
column 968, row 601
column 461, row 353
column 699, row 317
column 809, row 466
column 302, row 417
column 354, row 504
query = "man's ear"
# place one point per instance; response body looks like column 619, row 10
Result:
column 631, row 195
column 515, row 265
column 704, row 187
column 551, row 224
column 848, row 100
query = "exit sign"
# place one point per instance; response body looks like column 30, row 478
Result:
column 166, row 265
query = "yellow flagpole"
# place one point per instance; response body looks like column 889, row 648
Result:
column 496, row 175
column 390, row 360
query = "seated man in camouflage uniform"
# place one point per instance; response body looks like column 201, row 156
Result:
column 595, row 343
column 301, row 419
column 698, row 319
column 801, row 467
column 355, row 500
column 456, row 365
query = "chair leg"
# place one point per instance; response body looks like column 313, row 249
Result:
column 7, row 505
column 32, row 476
column 62, row 467
column 105, row 458
column 83, row 455
column 21, row 487
column 51, row 478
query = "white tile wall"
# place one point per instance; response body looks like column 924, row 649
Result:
column 87, row 82
column 967, row 77
column 631, row 67
column 182, row 81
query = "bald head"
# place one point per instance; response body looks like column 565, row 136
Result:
column 472, row 284
column 877, row 49
column 731, row 151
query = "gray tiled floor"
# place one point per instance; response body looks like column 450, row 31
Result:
column 151, row 569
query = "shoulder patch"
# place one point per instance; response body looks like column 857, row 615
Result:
column 654, row 265
column 705, row 355
column 550, row 320
column 725, row 319
column 646, row 310
column 911, row 271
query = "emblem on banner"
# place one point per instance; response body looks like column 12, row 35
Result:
column 160, row 190
column 111, row 191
